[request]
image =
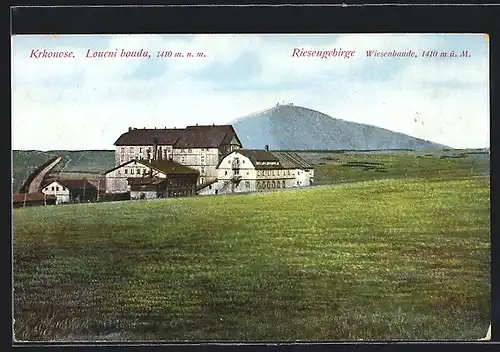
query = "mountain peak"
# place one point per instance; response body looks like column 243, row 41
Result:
column 289, row 126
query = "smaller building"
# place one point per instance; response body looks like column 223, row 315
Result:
column 142, row 178
column 166, row 178
column 22, row 200
column 71, row 191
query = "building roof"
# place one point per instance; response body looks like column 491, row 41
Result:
column 145, row 180
column 77, row 184
column 286, row 160
column 206, row 136
column 145, row 136
column 119, row 166
column 169, row 167
column 30, row 197
column 291, row 160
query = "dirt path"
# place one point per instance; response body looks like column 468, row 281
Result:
column 35, row 185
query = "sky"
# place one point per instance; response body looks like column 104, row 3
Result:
column 87, row 103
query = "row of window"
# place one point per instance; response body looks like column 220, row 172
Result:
column 267, row 163
column 273, row 172
column 132, row 150
column 125, row 171
column 236, row 172
column 237, row 161
column 56, row 188
column 270, row 184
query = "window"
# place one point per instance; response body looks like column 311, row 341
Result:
column 126, row 171
column 236, row 172
column 288, row 172
column 119, row 172
column 263, row 185
column 225, row 172
column 52, row 187
column 274, row 184
column 248, row 173
column 46, row 188
column 123, row 149
column 190, row 150
column 64, row 188
column 278, row 184
column 202, row 170
column 138, row 171
column 229, row 161
column 131, row 171
column 273, row 172
column 143, row 171
column 243, row 161
column 131, row 149
column 283, row 183
column 140, row 150
column 247, row 184
column 268, row 184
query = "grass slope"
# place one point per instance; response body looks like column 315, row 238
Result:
column 351, row 167
column 390, row 259
column 77, row 163
column 24, row 162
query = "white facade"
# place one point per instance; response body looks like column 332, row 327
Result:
column 128, row 153
column 266, row 175
column 56, row 189
column 204, row 160
column 116, row 179
column 135, row 195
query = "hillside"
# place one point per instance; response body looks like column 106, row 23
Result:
column 74, row 162
column 411, row 263
column 299, row 128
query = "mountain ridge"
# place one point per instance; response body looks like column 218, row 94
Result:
column 295, row 127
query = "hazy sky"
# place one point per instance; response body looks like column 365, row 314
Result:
column 84, row 103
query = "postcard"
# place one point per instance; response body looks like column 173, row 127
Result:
column 237, row 187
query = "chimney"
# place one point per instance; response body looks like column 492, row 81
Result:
column 196, row 124
column 130, row 129
column 267, row 147
column 155, row 148
column 159, row 154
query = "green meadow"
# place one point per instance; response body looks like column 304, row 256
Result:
column 401, row 258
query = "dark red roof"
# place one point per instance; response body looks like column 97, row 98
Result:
column 202, row 136
column 77, row 184
column 20, row 197
column 146, row 136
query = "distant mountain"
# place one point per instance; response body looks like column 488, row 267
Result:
column 298, row 128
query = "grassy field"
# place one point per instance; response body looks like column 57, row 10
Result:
column 385, row 259
column 341, row 167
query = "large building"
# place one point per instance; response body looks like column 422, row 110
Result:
column 200, row 147
column 250, row 170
